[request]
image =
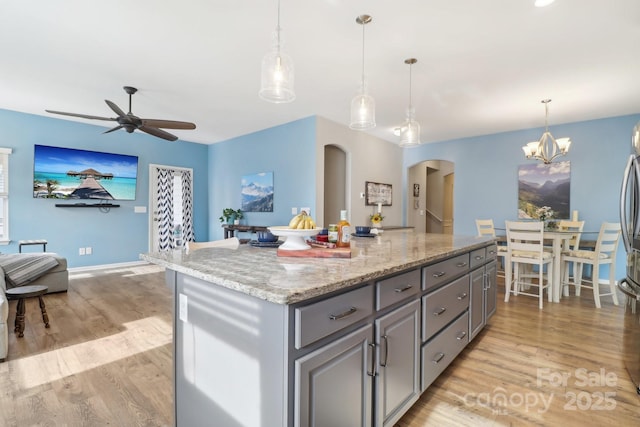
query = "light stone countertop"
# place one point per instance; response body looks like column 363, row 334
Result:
column 286, row 280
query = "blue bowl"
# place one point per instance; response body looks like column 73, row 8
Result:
column 361, row 229
column 266, row 236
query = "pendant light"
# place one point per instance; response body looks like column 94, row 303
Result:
column 277, row 71
column 363, row 106
column 410, row 129
column 547, row 148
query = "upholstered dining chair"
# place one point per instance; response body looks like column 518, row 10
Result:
column 525, row 247
column 486, row 228
column 604, row 254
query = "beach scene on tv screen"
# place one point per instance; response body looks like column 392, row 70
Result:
column 65, row 173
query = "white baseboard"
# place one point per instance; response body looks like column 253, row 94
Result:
column 107, row 266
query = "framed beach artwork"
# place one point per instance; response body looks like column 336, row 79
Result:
column 545, row 188
column 257, row 192
column 377, row 193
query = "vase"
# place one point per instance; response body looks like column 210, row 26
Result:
column 376, row 224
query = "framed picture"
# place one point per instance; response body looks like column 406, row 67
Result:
column 544, row 188
column 377, row 193
column 416, row 190
column 257, row 192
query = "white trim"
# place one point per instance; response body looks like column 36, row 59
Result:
column 6, row 150
column 107, row 266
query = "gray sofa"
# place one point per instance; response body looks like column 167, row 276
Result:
column 56, row 279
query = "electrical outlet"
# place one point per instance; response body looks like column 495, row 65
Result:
column 294, row 211
column 88, row 250
column 307, row 210
column 81, row 251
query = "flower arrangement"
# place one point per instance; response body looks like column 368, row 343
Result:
column 544, row 213
column 376, row 217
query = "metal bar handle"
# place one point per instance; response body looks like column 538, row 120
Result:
column 462, row 296
column 343, row 315
column 386, row 351
column 439, row 274
column 461, row 335
column 462, row 264
column 373, row 372
column 623, row 205
column 438, row 358
column 479, row 257
column 439, row 312
column 406, row 288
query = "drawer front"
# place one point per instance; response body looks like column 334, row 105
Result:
column 492, row 252
column 397, row 288
column 443, row 271
column 478, row 257
column 438, row 353
column 443, row 305
column 325, row 317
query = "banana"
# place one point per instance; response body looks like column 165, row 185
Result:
column 302, row 221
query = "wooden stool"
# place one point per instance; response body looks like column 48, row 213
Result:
column 22, row 292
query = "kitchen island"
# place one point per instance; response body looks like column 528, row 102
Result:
column 263, row 340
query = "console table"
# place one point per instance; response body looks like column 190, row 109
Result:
column 230, row 229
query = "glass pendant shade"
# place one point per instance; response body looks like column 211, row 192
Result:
column 277, row 74
column 363, row 111
column 410, row 130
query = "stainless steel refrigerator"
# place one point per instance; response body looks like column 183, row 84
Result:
column 630, row 285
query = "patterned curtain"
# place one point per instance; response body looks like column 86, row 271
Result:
column 165, row 208
column 187, row 207
column 166, row 217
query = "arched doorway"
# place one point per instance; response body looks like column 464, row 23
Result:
column 335, row 183
column 430, row 204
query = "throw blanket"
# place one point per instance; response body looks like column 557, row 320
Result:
column 20, row 269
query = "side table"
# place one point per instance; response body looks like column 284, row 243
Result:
column 21, row 293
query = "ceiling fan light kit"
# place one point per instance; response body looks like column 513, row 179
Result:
column 278, row 73
column 363, row 106
column 130, row 122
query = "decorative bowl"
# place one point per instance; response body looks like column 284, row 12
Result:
column 295, row 238
column 266, row 236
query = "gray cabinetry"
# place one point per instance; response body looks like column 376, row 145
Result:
column 333, row 383
column 483, row 289
column 398, row 379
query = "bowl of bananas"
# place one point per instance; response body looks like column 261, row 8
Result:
column 300, row 227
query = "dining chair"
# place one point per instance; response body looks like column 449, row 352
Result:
column 486, row 228
column 568, row 245
column 603, row 254
column 231, row 243
column 525, row 247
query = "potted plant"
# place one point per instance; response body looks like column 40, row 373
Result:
column 230, row 215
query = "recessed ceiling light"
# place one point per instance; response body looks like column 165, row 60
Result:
column 542, row 3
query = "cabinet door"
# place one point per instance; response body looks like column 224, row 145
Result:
column 476, row 310
column 491, row 290
column 333, row 385
column 398, row 380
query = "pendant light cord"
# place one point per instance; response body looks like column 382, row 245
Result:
column 363, row 25
column 278, row 28
column 410, row 79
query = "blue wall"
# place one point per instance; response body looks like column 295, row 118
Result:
column 486, row 172
column 287, row 150
column 118, row 236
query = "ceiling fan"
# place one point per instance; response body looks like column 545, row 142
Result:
column 130, row 122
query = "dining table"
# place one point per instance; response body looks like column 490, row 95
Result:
column 557, row 237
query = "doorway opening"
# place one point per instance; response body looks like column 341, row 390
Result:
column 430, row 205
column 335, row 183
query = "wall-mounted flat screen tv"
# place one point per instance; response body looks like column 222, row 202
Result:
column 69, row 173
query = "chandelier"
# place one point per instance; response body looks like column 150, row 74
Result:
column 547, row 148
column 410, row 129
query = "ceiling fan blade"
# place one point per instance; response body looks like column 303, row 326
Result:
column 168, row 124
column 158, row 132
column 115, row 108
column 84, row 116
column 112, row 129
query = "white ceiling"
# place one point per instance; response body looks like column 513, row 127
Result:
column 483, row 66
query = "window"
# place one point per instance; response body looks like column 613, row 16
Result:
column 4, row 195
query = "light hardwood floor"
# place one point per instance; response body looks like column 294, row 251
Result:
column 106, row 360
